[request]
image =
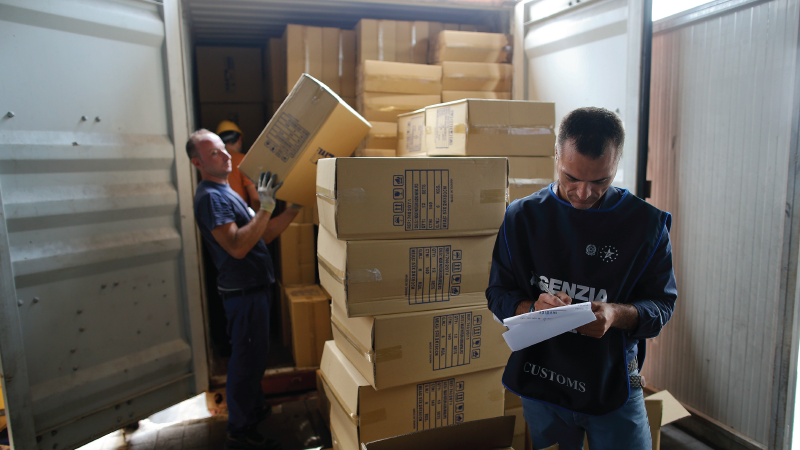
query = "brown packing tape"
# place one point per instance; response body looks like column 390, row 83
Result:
column 512, row 131
column 519, row 182
column 493, row 196
column 389, row 354
column 327, row 193
column 380, row 40
column 363, row 276
column 352, row 195
column 366, row 353
column 399, row 78
column 335, row 273
column 373, row 417
column 336, row 396
column 389, row 108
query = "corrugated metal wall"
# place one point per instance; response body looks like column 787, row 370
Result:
column 721, row 116
column 96, row 202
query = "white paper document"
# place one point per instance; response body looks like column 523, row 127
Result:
column 528, row 329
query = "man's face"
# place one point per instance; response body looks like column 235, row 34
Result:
column 213, row 158
column 582, row 181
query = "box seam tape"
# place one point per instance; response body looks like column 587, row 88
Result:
column 519, row 182
column 336, row 396
column 367, row 354
column 335, row 273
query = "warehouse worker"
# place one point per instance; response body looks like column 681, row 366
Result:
column 583, row 240
column 237, row 238
column 231, row 135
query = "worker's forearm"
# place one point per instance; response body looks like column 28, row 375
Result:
column 247, row 236
column 626, row 317
column 278, row 224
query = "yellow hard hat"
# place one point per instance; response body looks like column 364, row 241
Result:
column 227, row 125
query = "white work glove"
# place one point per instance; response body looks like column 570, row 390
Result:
column 267, row 189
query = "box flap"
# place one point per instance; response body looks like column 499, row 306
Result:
column 672, row 409
column 357, row 330
column 332, row 254
column 343, row 378
column 326, row 177
column 486, row 434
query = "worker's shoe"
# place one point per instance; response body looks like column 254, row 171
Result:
column 253, row 440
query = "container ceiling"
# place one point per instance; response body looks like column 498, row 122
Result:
column 254, row 22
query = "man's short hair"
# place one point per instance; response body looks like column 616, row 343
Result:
column 191, row 144
column 592, row 130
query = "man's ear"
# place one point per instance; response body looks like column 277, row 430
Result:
column 197, row 163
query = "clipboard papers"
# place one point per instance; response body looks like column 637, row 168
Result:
column 531, row 328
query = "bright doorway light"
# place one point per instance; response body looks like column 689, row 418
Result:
column 665, row 8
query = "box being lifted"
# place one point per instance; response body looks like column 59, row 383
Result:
column 311, row 124
column 367, row 278
column 411, row 198
column 359, row 413
column 490, row 128
column 444, row 343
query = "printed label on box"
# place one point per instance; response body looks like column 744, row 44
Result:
column 427, row 195
column 414, row 134
column 439, row 403
column 430, row 275
column 456, row 340
column 286, row 138
column 444, row 128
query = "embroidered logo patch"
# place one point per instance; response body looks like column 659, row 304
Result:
column 608, row 253
column 591, row 250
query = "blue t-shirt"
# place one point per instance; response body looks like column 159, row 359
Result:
column 217, row 204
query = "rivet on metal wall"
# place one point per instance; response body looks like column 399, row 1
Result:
column 79, row 311
column 81, row 329
column 116, row 283
column 102, row 286
column 75, row 144
column 73, row 350
column 97, row 119
column 10, row 114
column 74, row 368
column 35, row 299
column 19, row 302
column 84, row 118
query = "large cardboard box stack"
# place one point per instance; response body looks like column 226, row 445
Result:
column 394, row 40
column 404, row 249
column 230, row 85
column 387, row 89
column 474, row 64
column 309, row 308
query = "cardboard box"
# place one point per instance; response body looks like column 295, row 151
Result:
column 351, row 101
column 277, row 70
column 487, row 434
column 375, row 153
column 529, row 174
column 311, row 323
column 308, row 214
column 298, row 258
column 512, row 400
column 444, row 343
column 347, row 64
column 303, row 53
column 519, row 420
column 398, row 78
column 286, row 318
column 662, row 408
column 367, row 278
column 468, row 46
column 249, row 116
column 380, row 107
column 451, row 96
column 411, row 198
column 323, row 402
column 376, row 39
column 229, row 74
column 490, row 127
column 411, row 134
column 312, row 123
column 470, row 76
column 420, row 32
column 381, row 135
column 359, row 413
column 330, row 59
column 404, row 46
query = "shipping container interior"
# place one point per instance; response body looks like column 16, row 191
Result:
column 247, row 27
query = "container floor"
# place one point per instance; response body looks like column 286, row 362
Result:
column 295, row 423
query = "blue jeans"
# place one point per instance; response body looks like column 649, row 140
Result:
column 248, row 330
column 626, row 427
